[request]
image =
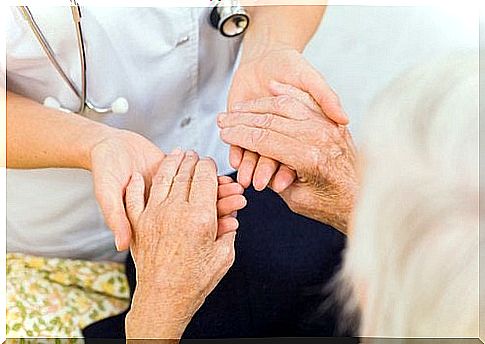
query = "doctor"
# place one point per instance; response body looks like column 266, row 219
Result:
column 174, row 69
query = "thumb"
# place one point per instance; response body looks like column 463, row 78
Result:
column 110, row 200
column 315, row 84
column 135, row 198
column 225, row 250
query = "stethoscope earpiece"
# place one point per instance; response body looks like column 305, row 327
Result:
column 119, row 106
column 228, row 16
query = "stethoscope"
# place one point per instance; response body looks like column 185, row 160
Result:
column 227, row 16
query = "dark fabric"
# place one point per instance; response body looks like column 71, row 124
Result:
column 274, row 288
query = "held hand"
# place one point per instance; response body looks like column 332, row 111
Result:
column 178, row 255
column 251, row 81
column 287, row 129
column 122, row 154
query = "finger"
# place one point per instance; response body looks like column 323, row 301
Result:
column 225, row 250
column 226, row 225
column 182, row 181
column 301, row 129
column 135, row 198
column 283, row 179
column 274, row 145
column 224, row 180
column 227, row 206
column 163, row 179
column 235, row 156
column 279, row 89
column 229, row 190
column 246, row 168
column 313, row 82
column 284, row 106
column 311, row 131
column 265, row 169
column 204, row 184
column 113, row 209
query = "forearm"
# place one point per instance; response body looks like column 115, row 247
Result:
column 40, row 137
column 290, row 26
column 151, row 318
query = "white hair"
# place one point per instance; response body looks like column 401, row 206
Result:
column 412, row 259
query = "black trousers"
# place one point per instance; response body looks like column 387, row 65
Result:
column 275, row 287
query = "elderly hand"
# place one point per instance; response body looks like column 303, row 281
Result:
column 114, row 161
column 287, row 65
column 177, row 253
column 288, row 128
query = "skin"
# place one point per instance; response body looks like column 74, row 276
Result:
column 178, row 253
column 288, row 127
column 271, row 53
column 40, row 137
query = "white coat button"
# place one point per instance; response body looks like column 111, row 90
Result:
column 183, row 40
column 185, row 122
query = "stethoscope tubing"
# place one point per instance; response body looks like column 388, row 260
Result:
column 82, row 94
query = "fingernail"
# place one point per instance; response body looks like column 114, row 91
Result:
column 234, row 214
column 117, row 244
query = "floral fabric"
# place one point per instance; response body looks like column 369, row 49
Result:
column 51, row 297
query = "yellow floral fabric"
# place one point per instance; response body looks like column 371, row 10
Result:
column 51, row 297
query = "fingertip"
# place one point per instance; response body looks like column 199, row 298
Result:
column 122, row 243
column 220, row 119
column 235, row 156
column 280, row 185
column 243, row 179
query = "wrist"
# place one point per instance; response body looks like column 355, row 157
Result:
column 95, row 135
column 260, row 43
column 154, row 316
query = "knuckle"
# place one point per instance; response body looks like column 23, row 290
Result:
column 313, row 156
column 282, row 103
column 264, row 121
column 257, row 137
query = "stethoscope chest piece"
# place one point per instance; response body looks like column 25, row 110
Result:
column 230, row 18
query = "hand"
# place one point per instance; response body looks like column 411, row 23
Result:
column 122, row 153
column 114, row 160
column 251, row 81
column 288, row 129
column 178, row 257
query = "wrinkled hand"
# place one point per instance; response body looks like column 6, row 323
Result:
column 251, row 81
column 177, row 253
column 288, row 129
column 117, row 158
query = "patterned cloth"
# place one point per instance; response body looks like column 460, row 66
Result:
column 50, row 297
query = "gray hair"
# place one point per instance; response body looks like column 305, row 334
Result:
column 412, row 259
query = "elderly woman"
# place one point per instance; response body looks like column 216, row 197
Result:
column 412, row 262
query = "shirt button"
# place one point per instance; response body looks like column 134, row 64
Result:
column 185, row 122
column 183, row 40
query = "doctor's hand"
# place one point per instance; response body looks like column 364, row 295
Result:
column 287, row 129
column 178, row 254
column 287, row 65
column 121, row 154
